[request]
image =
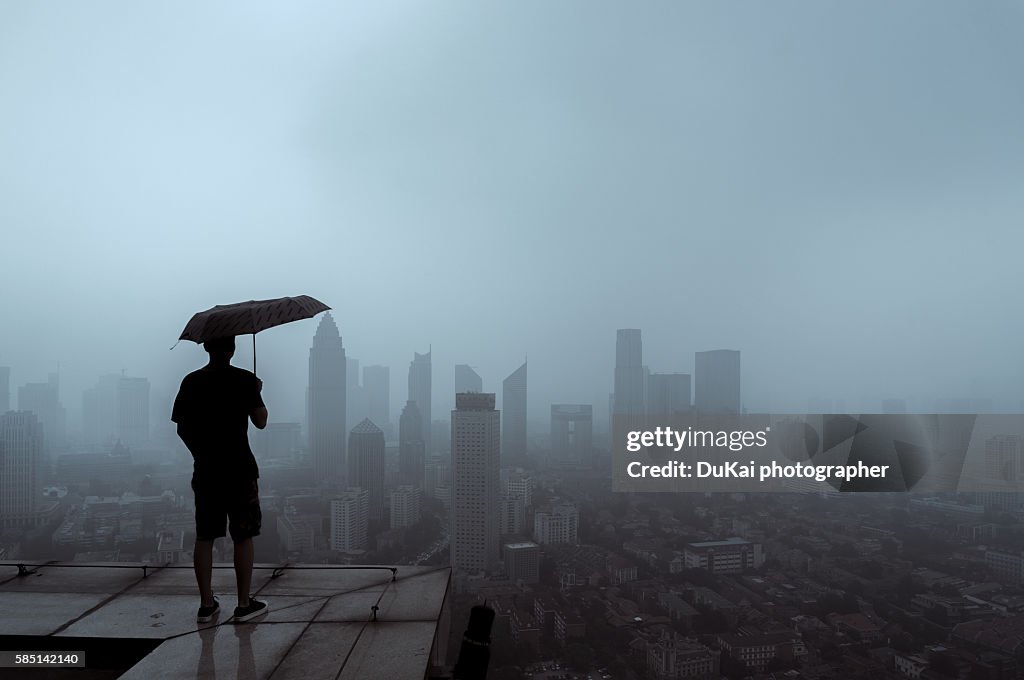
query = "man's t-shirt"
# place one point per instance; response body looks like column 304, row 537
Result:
column 213, row 406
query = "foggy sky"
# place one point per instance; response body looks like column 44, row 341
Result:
column 833, row 188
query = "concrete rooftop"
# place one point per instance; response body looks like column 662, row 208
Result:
column 320, row 624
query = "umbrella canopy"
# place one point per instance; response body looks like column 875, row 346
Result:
column 242, row 318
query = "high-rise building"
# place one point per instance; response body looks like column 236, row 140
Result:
column 513, row 407
column 517, row 482
column 476, row 427
column 349, row 520
column 21, row 451
column 43, row 399
column 467, row 380
column 366, row 464
column 419, row 391
column 116, row 409
column 668, row 394
column 355, row 396
column 522, row 562
column 560, row 524
column 628, row 399
column 405, row 506
column 717, row 381
column 572, row 432
column 5, row 389
column 411, row 447
column 325, row 403
column 512, row 518
column 377, row 394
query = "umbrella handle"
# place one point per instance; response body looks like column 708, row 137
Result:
column 254, row 354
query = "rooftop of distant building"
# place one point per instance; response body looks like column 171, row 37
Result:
column 139, row 621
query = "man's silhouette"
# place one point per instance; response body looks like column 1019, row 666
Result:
column 213, row 409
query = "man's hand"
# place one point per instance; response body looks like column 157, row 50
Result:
column 259, row 385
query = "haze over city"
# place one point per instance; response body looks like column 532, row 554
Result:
column 831, row 189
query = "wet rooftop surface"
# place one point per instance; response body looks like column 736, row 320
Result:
column 320, row 625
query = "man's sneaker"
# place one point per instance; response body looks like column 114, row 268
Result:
column 255, row 608
column 206, row 614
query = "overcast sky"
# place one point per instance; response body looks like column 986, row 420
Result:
column 834, row 188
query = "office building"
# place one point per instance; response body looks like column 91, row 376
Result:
column 668, row 394
column 717, row 381
column 512, row 515
column 420, row 382
column 350, row 520
column 366, row 465
column 21, row 454
column 43, row 399
column 467, row 380
column 405, row 506
column 513, row 409
column 560, row 524
column 325, row 403
column 522, row 562
column 116, row 409
column 731, row 556
column 476, row 432
column 572, row 432
column 411, row 447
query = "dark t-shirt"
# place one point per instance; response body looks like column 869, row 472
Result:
column 213, row 407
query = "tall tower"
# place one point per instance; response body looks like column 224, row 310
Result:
column 628, row 399
column 717, row 381
column 377, row 392
column 513, row 405
column 476, row 462
column 21, row 450
column 411, row 448
column 366, row 464
column 43, row 399
column 419, row 391
column 467, row 380
column 5, row 389
column 326, row 402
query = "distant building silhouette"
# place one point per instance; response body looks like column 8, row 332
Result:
column 326, row 403
column 717, row 381
column 476, row 464
column 411, row 447
column 420, row 382
column 355, row 396
column 467, row 380
column 513, row 408
column 628, row 398
column 349, row 520
column 366, row 464
column 116, row 409
column 21, row 459
column 43, row 399
column 668, row 394
column 377, row 394
column 5, row 389
column 572, row 432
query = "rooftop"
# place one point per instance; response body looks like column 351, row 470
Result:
column 140, row 620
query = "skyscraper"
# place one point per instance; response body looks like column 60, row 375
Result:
column 377, row 394
column 419, row 391
column 349, row 520
column 405, row 506
column 668, row 394
column 628, row 398
column 513, row 406
column 717, row 381
column 326, row 402
column 572, row 432
column 355, row 396
column 411, row 448
column 366, row 464
column 467, row 380
column 5, row 389
column 116, row 409
column 21, row 450
column 475, row 509
column 43, row 399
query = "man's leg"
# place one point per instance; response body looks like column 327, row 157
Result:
column 243, row 569
column 202, row 560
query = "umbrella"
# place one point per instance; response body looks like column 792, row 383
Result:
column 242, row 318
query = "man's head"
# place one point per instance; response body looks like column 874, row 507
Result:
column 220, row 349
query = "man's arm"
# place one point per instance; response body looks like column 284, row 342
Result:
column 258, row 415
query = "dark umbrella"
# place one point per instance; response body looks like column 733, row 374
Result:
column 243, row 318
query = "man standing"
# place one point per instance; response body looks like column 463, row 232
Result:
column 213, row 409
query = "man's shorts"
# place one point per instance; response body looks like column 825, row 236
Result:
column 235, row 503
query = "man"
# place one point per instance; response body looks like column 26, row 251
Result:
column 213, row 409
